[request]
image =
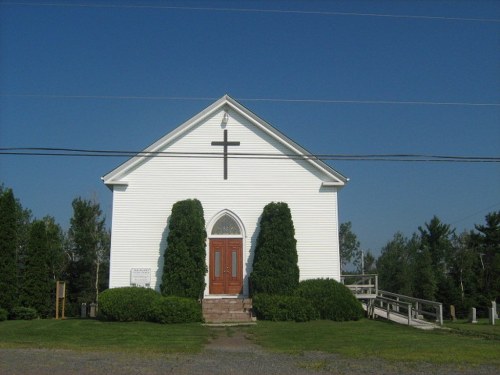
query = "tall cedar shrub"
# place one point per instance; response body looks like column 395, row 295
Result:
column 331, row 299
column 275, row 269
column 184, row 261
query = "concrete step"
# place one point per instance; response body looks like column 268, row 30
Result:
column 222, row 310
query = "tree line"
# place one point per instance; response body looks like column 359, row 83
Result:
column 35, row 253
column 435, row 263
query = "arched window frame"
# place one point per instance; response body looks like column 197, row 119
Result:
column 233, row 217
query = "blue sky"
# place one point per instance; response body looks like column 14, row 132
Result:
column 68, row 75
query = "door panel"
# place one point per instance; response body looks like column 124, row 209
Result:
column 226, row 266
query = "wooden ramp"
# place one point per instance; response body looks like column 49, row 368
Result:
column 392, row 306
column 400, row 318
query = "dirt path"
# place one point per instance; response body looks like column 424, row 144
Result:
column 230, row 352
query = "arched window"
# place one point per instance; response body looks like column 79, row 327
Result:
column 226, row 225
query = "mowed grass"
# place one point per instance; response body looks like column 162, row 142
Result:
column 380, row 339
column 94, row 335
column 462, row 344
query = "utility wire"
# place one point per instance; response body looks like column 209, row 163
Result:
column 250, row 10
column 274, row 100
column 70, row 152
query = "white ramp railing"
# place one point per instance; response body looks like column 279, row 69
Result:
column 397, row 307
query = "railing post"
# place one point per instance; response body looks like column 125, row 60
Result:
column 376, row 285
column 440, row 314
column 397, row 305
column 409, row 314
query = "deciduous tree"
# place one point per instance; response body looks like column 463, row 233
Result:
column 349, row 246
column 89, row 252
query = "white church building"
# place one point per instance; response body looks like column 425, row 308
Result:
column 234, row 163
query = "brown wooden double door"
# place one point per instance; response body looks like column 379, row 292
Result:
column 226, row 266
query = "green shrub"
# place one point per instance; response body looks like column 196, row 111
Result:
column 175, row 310
column 127, row 304
column 331, row 299
column 281, row 308
column 3, row 314
column 185, row 257
column 275, row 264
column 23, row 313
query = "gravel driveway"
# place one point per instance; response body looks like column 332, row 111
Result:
column 232, row 354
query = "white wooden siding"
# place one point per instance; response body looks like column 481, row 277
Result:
column 141, row 210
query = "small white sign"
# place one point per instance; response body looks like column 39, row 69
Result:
column 140, row 276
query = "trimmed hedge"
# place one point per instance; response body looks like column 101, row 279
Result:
column 143, row 304
column 127, row 304
column 331, row 299
column 23, row 313
column 3, row 314
column 168, row 310
column 282, row 308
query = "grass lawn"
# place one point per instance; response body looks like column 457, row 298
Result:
column 94, row 335
column 462, row 343
column 385, row 340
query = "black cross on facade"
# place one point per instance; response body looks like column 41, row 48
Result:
column 225, row 143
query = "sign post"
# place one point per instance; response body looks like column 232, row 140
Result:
column 60, row 295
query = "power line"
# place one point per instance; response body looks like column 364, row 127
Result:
column 252, row 10
column 475, row 213
column 274, row 100
column 70, row 152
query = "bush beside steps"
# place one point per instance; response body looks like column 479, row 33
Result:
column 143, row 304
column 313, row 299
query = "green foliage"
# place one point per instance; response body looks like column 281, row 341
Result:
column 395, row 267
column 169, row 310
column 487, row 245
column 3, row 314
column 185, row 257
column 283, row 308
column 275, row 269
column 127, row 304
column 349, row 246
column 143, row 304
column 89, row 250
column 9, row 226
column 331, row 299
column 23, row 313
column 38, row 281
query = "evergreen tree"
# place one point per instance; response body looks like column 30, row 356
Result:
column 89, row 252
column 275, row 268
column 58, row 259
column 38, row 283
column 487, row 245
column 437, row 253
column 8, row 249
column 394, row 265
column 185, row 256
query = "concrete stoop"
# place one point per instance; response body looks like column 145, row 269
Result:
column 228, row 310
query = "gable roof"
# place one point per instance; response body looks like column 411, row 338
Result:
column 337, row 179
